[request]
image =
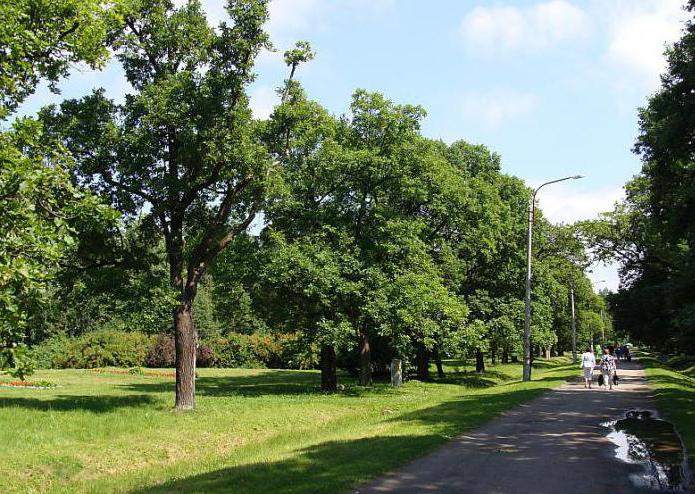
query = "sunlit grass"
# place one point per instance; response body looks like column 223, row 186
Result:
column 675, row 396
column 253, row 430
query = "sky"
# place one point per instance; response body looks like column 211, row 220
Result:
column 553, row 86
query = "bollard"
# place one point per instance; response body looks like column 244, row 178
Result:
column 396, row 373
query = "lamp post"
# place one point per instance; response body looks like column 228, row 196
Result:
column 527, row 300
column 603, row 324
column 574, row 326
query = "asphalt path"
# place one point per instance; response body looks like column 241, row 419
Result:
column 554, row 444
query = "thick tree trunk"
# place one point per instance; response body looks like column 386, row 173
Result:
column 505, row 355
column 438, row 362
column 329, row 377
column 186, row 340
column 479, row 361
column 423, row 363
column 365, row 356
column 547, row 353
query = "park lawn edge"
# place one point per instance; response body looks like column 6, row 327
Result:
column 420, row 446
column 675, row 399
column 357, row 451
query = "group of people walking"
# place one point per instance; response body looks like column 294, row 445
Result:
column 608, row 365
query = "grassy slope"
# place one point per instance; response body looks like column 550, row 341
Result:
column 253, row 431
column 675, row 395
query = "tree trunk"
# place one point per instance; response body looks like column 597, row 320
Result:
column 505, row 355
column 547, row 353
column 479, row 361
column 329, row 377
column 438, row 362
column 186, row 339
column 493, row 353
column 365, row 359
column 422, row 363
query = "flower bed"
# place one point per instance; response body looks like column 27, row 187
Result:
column 133, row 372
column 27, row 384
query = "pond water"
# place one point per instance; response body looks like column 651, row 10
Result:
column 644, row 439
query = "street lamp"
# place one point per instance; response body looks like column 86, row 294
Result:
column 603, row 322
column 527, row 320
column 574, row 326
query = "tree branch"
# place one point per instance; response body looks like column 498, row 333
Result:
column 153, row 61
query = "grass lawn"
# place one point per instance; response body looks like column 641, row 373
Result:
column 675, row 397
column 253, row 430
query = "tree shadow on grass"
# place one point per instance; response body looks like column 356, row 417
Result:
column 263, row 383
column 96, row 404
column 281, row 382
column 454, row 417
column 337, row 466
column 471, row 379
column 333, row 466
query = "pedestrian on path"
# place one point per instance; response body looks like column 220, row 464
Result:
column 588, row 364
column 608, row 367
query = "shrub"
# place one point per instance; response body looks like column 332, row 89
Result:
column 132, row 349
column 232, row 350
column 296, row 352
column 205, row 356
column 104, row 348
column 162, row 352
column 276, row 351
column 44, row 355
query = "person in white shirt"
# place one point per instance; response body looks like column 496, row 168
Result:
column 608, row 368
column 588, row 362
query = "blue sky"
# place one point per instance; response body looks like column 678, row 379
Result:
column 552, row 85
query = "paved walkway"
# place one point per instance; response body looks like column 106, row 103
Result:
column 553, row 444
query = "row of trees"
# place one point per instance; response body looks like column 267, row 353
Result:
column 372, row 241
column 652, row 233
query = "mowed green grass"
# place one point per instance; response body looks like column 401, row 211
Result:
column 675, row 397
column 253, row 430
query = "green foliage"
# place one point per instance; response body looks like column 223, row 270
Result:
column 39, row 205
column 182, row 152
column 103, row 348
column 257, row 350
column 374, row 237
column 133, row 349
column 652, row 234
column 40, row 210
column 41, row 39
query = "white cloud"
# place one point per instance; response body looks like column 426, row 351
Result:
column 495, row 108
column 567, row 203
column 288, row 17
column 262, row 100
column 514, row 29
column 638, row 33
column 292, row 18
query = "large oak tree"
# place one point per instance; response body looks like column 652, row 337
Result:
column 182, row 150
